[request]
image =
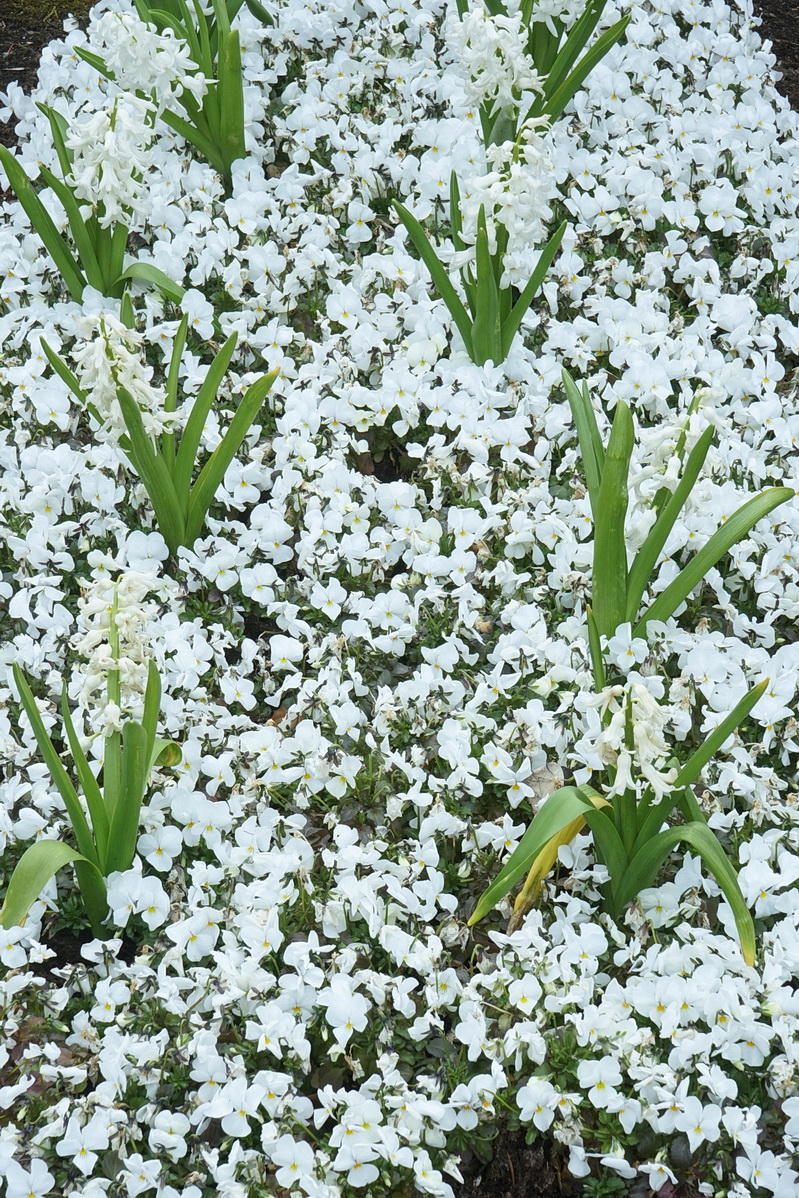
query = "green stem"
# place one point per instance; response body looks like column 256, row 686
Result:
column 112, row 755
column 627, row 804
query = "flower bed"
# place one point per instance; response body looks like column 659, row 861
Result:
column 375, row 658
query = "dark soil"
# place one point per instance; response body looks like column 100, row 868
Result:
column 25, row 27
column 67, row 947
column 780, row 26
column 517, row 1170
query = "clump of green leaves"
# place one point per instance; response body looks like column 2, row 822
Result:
column 618, row 590
column 215, row 125
column 628, row 829
column 490, row 319
column 556, row 54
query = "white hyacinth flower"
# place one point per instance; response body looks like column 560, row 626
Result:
column 111, row 161
column 144, row 60
column 497, row 67
column 133, row 618
column 106, row 362
column 644, row 763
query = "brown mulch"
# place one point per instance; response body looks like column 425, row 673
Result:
column 517, row 1170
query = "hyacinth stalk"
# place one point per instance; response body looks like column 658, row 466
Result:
column 558, row 57
column 95, row 258
column 105, row 825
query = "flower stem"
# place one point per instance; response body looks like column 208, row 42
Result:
column 112, row 765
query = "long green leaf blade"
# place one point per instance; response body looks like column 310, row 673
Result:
column 609, row 846
column 555, row 103
column 125, row 821
column 94, row 894
column 576, row 41
column 610, row 551
column 595, row 649
column 152, row 471
column 58, row 128
column 173, row 374
column 152, row 707
column 503, row 127
column 222, row 18
column 163, row 19
column 505, row 293
column 94, row 60
column 118, row 243
column 203, row 36
column 171, row 396
column 145, row 272
column 64, row 373
column 486, row 329
column 561, row 808
column 80, row 235
column 593, row 454
column 192, row 434
column 195, row 137
column 456, row 228
column 511, row 325
column 127, row 313
column 439, row 275
column 691, row 811
column 455, row 221
column 212, row 473
column 89, row 785
column 695, row 763
column 644, row 867
column 720, row 543
column 655, row 818
column 104, row 240
column 645, row 560
column 54, row 243
column 259, row 12
column 231, row 100
column 53, row 762
column 37, row 865
column 599, row 448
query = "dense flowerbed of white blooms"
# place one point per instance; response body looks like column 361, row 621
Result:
column 376, row 660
